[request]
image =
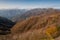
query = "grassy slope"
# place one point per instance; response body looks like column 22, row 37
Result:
column 37, row 28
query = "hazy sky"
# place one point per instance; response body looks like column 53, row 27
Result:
column 28, row 4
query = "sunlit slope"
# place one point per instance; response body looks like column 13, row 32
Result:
column 38, row 28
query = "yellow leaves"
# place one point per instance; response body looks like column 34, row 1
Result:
column 45, row 39
column 51, row 31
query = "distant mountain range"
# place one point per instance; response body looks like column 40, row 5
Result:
column 21, row 14
column 34, row 12
column 9, row 13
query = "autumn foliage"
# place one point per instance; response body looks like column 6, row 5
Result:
column 38, row 27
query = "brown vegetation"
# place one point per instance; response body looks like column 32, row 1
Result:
column 41, row 27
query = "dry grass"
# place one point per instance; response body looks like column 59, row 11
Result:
column 35, row 28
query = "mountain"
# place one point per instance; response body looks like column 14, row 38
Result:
column 5, row 25
column 33, row 25
column 37, row 21
column 34, row 12
column 38, row 27
column 9, row 13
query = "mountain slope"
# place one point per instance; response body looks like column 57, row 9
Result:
column 5, row 25
column 37, row 20
column 41, row 26
column 37, row 27
column 34, row 12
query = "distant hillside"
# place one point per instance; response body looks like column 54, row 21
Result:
column 34, row 12
column 9, row 13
